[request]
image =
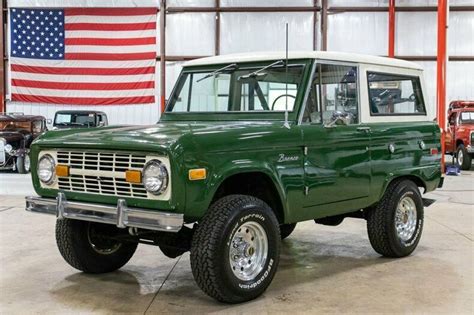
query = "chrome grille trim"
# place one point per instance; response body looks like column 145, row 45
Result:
column 101, row 161
column 2, row 151
column 103, row 172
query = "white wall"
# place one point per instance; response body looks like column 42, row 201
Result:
column 193, row 34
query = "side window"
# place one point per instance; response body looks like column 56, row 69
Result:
column 333, row 93
column 452, row 119
column 37, row 126
column 393, row 94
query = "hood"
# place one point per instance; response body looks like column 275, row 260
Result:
column 11, row 136
column 169, row 135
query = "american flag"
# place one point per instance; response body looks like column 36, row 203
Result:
column 83, row 56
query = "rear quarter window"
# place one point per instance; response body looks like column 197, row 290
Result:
column 394, row 95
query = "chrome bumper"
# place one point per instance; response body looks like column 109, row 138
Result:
column 121, row 215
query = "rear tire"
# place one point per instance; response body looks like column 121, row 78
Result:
column 286, row 230
column 83, row 246
column 235, row 249
column 396, row 223
column 463, row 158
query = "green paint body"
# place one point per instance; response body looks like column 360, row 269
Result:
column 344, row 169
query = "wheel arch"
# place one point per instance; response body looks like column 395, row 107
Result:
column 246, row 183
column 414, row 178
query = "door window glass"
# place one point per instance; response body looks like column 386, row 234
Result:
column 333, row 93
column 393, row 94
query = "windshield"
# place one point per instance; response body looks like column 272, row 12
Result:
column 17, row 125
column 238, row 89
column 79, row 119
column 467, row 118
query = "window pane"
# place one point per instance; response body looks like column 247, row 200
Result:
column 333, row 93
column 391, row 94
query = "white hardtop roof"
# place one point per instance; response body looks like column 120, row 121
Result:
column 323, row 55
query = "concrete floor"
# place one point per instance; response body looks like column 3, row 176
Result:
column 322, row 269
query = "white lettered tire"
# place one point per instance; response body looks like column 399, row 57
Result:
column 235, row 249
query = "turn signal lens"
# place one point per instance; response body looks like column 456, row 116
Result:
column 62, row 170
column 133, row 177
column 197, row 174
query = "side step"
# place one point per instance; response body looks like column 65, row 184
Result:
column 428, row 202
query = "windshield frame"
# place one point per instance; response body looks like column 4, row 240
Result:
column 241, row 115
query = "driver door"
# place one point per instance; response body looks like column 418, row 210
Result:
column 337, row 162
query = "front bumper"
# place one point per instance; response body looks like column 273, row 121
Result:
column 121, row 215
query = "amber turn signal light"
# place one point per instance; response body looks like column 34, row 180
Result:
column 197, row 174
column 134, row 177
column 62, row 170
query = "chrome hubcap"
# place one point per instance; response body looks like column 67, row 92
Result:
column 99, row 241
column 248, row 251
column 405, row 218
column 460, row 157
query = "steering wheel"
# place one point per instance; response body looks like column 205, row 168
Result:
column 274, row 102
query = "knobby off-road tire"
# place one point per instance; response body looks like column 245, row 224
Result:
column 463, row 158
column 400, row 206
column 234, row 231
column 286, row 230
column 83, row 247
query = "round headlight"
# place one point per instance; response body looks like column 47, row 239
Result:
column 155, row 177
column 8, row 148
column 46, row 167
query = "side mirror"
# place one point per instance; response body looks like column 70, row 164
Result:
column 339, row 118
column 49, row 121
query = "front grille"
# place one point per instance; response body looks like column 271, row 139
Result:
column 101, row 173
column 101, row 161
column 2, row 151
column 101, row 185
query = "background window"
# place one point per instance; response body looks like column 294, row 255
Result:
column 391, row 94
column 333, row 92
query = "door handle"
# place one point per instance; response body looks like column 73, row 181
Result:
column 364, row 129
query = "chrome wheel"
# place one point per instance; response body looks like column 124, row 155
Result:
column 248, row 251
column 101, row 241
column 405, row 218
column 460, row 157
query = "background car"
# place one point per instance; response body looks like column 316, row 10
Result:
column 79, row 119
column 460, row 133
column 17, row 131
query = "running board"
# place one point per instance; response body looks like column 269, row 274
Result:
column 428, row 202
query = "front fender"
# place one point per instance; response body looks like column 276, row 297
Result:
column 200, row 194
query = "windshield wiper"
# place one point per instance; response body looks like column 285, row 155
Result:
column 257, row 72
column 233, row 66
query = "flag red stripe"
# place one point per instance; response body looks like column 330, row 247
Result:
column 111, row 11
column 84, row 86
column 83, row 100
column 99, row 56
column 109, row 26
column 83, row 71
column 111, row 41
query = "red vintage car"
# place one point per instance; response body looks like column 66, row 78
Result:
column 459, row 136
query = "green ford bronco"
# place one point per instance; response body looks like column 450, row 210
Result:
column 248, row 146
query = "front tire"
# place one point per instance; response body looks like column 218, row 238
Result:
column 88, row 246
column 23, row 164
column 463, row 158
column 396, row 223
column 235, row 249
